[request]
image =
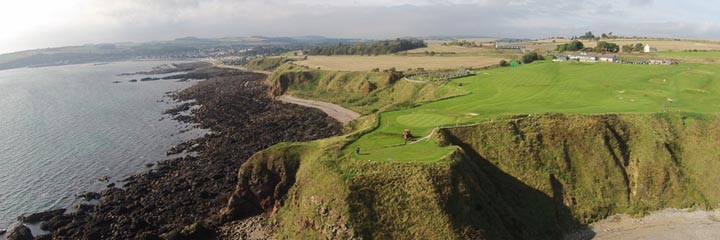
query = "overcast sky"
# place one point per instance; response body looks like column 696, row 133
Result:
column 28, row 24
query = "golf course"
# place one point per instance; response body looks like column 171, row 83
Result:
column 541, row 87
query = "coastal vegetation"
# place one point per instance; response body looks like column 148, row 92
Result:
column 266, row 63
column 555, row 173
column 544, row 87
column 630, row 140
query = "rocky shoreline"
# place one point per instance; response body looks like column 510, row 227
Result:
column 181, row 198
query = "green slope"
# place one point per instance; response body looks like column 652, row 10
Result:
column 545, row 87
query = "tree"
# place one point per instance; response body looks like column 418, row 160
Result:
column 531, row 57
column 627, row 48
column 504, row 63
column 571, row 46
column 603, row 46
column 638, row 47
column 588, row 36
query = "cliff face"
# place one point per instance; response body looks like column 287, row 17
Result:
column 529, row 177
column 551, row 172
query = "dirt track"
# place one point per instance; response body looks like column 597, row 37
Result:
column 665, row 224
column 219, row 64
column 341, row 114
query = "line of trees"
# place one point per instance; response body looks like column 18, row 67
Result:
column 531, row 57
column 590, row 36
column 638, row 47
column 463, row 43
column 374, row 48
column 603, row 46
column 575, row 45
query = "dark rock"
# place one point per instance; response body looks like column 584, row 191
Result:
column 134, row 80
column 44, row 237
column 85, row 207
column 110, row 185
column 41, row 216
column 89, row 196
column 236, row 107
column 55, row 222
column 199, row 231
column 149, row 79
column 149, row 165
column 21, row 232
column 116, row 81
column 3, row 231
column 148, row 236
column 174, row 235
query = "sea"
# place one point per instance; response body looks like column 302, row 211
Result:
column 65, row 128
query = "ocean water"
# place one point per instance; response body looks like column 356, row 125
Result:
column 63, row 128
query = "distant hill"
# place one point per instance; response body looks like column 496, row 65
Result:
column 180, row 48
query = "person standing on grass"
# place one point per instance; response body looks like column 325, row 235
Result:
column 357, row 150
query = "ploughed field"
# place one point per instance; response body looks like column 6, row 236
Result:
column 581, row 88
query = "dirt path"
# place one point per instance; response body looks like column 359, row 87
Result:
column 342, row 114
column 665, row 224
column 218, row 63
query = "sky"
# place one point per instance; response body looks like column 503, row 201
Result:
column 30, row 24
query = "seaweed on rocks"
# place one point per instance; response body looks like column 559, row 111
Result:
column 181, row 197
column 171, row 68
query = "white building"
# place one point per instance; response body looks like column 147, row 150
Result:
column 608, row 58
column 561, row 59
column 649, row 49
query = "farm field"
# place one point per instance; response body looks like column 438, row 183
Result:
column 661, row 45
column 367, row 63
column 669, row 45
column 691, row 57
column 581, row 88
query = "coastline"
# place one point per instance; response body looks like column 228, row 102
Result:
column 57, row 147
column 190, row 190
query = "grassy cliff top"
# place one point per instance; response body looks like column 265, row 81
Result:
column 581, row 88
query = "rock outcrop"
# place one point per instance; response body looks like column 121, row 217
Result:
column 41, row 216
column 21, row 232
column 177, row 195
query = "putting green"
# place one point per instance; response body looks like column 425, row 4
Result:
column 422, row 120
column 541, row 87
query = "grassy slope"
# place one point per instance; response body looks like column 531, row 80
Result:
column 546, row 87
column 364, row 92
column 403, row 62
column 512, row 179
column 693, row 57
column 521, row 179
column 606, row 164
column 266, row 63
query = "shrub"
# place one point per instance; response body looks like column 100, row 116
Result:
column 504, row 63
column 531, row 57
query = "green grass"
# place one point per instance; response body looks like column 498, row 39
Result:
column 712, row 54
column 580, row 88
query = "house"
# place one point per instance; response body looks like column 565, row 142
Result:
column 508, row 47
column 649, row 49
column 608, row 58
column 583, row 57
column 561, row 59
